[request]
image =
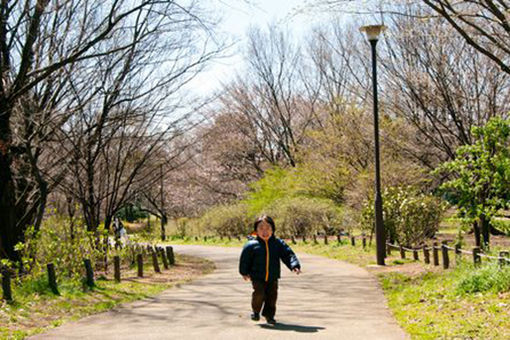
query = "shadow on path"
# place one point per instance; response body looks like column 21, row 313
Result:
column 289, row 327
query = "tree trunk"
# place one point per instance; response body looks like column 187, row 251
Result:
column 10, row 235
column 163, row 224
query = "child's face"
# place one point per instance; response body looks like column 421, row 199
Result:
column 264, row 230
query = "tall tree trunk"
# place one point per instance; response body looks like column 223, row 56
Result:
column 10, row 234
column 163, row 225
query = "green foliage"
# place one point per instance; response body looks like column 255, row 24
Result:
column 131, row 213
column 481, row 171
column 277, row 183
column 225, row 220
column 304, row 216
column 57, row 242
column 409, row 216
column 488, row 278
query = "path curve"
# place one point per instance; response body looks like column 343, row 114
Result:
column 329, row 300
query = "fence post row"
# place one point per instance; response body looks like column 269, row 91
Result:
column 139, row 260
column 52, row 278
column 89, row 273
column 163, row 257
column 170, row 255
column 116, row 267
column 435, row 254
column 426, row 254
column 446, row 259
column 6, row 284
column 476, row 256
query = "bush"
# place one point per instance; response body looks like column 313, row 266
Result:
column 488, row 278
column 409, row 217
column 225, row 220
column 60, row 244
column 304, row 216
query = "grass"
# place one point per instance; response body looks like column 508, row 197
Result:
column 36, row 309
column 434, row 305
column 427, row 301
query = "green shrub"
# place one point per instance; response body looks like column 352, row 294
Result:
column 225, row 220
column 276, row 184
column 487, row 278
column 60, row 244
column 409, row 217
column 304, row 216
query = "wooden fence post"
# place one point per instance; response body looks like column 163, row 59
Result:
column 52, row 278
column 426, row 254
column 446, row 259
column 402, row 252
column 503, row 258
column 170, row 255
column 163, row 257
column 116, row 267
column 476, row 256
column 458, row 254
column 304, row 238
column 339, row 238
column 139, row 260
column 155, row 262
column 415, row 255
column 89, row 279
column 293, row 239
column 6, row 285
column 364, row 241
column 326, row 239
column 435, row 253
column 353, row 241
column 314, row 239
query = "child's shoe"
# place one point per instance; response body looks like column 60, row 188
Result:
column 255, row 316
column 271, row 321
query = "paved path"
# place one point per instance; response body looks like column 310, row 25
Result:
column 329, row 300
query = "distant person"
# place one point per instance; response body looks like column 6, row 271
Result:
column 260, row 263
column 119, row 231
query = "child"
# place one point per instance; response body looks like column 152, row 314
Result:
column 260, row 263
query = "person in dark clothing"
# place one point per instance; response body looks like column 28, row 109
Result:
column 260, row 263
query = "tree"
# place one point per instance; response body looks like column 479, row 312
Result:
column 481, row 171
column 483, row 24
column 42, row 46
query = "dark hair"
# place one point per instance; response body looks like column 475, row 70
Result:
column 263, row 218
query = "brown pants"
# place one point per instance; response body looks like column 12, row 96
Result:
column 264, row 293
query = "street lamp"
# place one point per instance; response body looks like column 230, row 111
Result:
column 373, row 32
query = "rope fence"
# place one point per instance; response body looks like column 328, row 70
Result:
column 476, row 254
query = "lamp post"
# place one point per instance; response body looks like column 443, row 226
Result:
column 373, row 32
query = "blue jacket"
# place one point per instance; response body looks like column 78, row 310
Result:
column 261, row 259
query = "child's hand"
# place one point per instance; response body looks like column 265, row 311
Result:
column 246, row 277
column 297, row 271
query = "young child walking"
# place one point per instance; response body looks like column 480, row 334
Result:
column 260, row 263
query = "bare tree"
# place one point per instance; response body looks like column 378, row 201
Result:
column 40, row 41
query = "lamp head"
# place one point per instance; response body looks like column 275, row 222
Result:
column 373, row 31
